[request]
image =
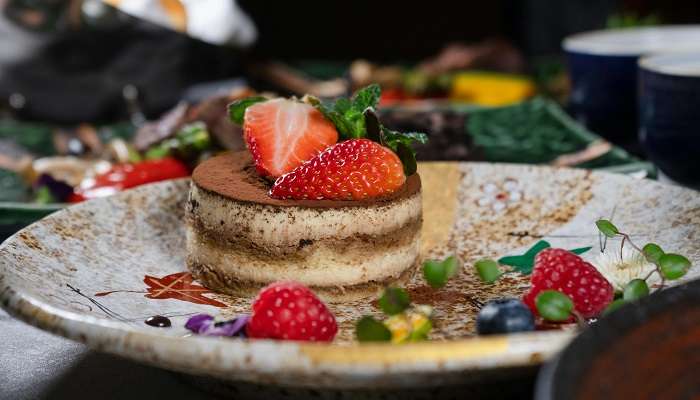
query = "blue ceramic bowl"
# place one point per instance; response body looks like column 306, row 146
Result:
column 603, row 70
column 669, row 114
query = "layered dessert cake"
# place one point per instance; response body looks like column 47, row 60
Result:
column 341, row 216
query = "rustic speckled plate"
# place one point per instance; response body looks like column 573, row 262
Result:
column 95, row 271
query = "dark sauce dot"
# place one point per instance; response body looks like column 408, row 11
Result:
column 158, row 321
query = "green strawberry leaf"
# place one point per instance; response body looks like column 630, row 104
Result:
column 236, row 110
column 580, row 250
column 408, row 159
column 525, row 262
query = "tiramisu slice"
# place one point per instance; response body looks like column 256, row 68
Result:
column 240, row 239
column 341, row 218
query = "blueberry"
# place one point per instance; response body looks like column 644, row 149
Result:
column 504, row 316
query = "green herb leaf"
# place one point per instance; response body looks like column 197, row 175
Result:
column 392, row 138
column 236, row 110
column 635, row 289
column 374, row 130
column 488, row 270
column 367, row 97
column 437, row 273
column 652, row 252
column 369, row 329
column 394, row 301
column 525, row 262
column 607, row 228
column 673, row 266
column 614, row 306
column 580, row 250
column 554, row 306
column 408, row 159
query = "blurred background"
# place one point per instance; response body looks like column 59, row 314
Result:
column 97, row 96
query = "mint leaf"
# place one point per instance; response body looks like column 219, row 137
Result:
column 367, row 97
column 408, row 159
column 394, row 301
column 374, row 129
column 525, row 262
column 369, row 329
column 236, row 110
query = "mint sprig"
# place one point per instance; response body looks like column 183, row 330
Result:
column 356, row 118
column 394, row 301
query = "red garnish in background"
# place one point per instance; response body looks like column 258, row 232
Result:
column 125, row 176
column 354, row 169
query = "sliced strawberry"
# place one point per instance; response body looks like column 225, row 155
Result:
column 282, row 134
column 354, row 169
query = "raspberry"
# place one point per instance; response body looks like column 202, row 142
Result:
column 290, row 311
column 564, row 271
column 354, row 169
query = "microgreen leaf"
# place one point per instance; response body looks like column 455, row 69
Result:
column 673, row 266
column 437, row 273
column 652, row 252
column 525, row 262
column 614, row 306
column 236, row 110
column 408, row 159
column 369, row 329
column 580, row 250
column 635, row 289
column 394, row 301
column 607, row 228
column 554, row 306
column 488, row 270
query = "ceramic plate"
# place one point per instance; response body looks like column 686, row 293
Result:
column 95, row 271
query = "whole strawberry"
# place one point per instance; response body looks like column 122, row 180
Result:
column 354, row 169
column 290, row 311
column 564, row 271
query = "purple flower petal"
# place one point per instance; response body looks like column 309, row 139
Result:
column 203, row 324
column 198, row 322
